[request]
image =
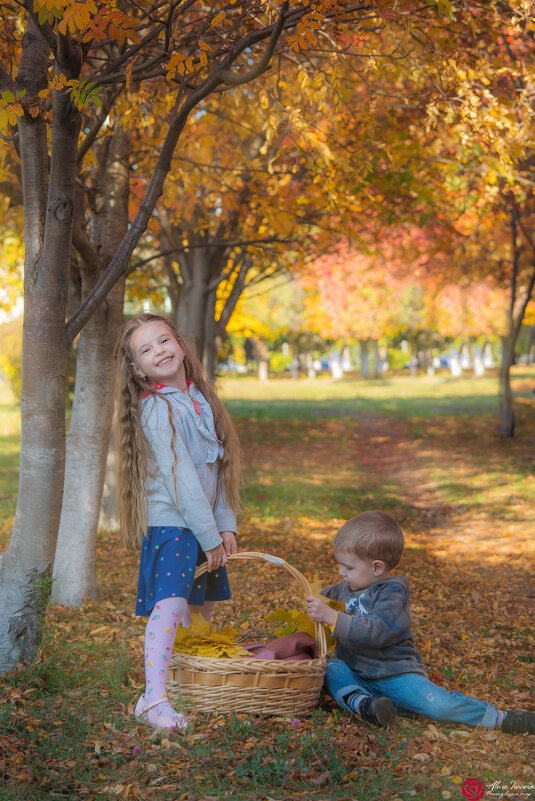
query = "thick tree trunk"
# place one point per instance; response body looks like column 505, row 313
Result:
column 27, row 563
column 195, row 270
column 89, row 431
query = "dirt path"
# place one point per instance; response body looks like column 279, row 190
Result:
column 504, row 548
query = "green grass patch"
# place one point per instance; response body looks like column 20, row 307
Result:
column 9, row 458
column 404, row 397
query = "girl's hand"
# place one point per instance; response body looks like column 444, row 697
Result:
column 216, row 557
column 319, row 611
column 229, row 542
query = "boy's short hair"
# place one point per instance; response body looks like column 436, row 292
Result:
column 371, row 535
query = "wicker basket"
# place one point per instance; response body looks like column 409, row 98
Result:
column 267, row 686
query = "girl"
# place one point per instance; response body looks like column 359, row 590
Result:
column 177, row 492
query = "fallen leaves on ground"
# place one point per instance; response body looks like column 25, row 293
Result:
column 67, row 724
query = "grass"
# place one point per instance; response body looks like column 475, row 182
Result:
column 9, row 461
column 315, row 453
column 400, row 396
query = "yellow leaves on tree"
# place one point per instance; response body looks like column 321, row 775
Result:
column 218, row 18
column 10, row 110
column 76, row 17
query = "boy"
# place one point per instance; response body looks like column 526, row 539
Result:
column 378, row 670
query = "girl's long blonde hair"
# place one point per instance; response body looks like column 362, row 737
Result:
column 133, row 450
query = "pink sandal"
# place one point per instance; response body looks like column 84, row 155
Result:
column 166, row 718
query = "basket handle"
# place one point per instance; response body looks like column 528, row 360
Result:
column 279, row 562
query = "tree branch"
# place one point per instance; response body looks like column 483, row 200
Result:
column 68, row 55
column 6, row 81
column 234, row 294
column 224, row 243
column 230, row 79
column 118, row 266
column 98, row 123
column 45, row 30
column 86, row 249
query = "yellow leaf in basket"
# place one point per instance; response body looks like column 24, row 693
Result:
column 214, row 645
column 292, row 620
column 221, row 652
column 298, row 620
column 199, row 624
column 182, row 635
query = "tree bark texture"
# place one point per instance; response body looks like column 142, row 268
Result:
column 516, row 314
column 89, row 431
column 507, row 414
column 27, row 563
column 364, row 358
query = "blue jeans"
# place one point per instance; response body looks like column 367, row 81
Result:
column 411, row 693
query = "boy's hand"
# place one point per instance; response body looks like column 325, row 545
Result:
column 319, row 611
column 229, row 542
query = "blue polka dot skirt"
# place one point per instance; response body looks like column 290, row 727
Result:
column 169, row 556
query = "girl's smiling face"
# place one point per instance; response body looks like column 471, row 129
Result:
column 157, row 355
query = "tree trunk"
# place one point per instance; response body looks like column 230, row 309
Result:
column 214, row 330
column 364, row 359
column 516, row 313
column 213, row 338
column 89, row 431
column 27, row 563
column 531, row 344
column 377, row 359
column 507, row 415
column 195, row 268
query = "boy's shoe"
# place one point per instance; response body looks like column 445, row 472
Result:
column 517, row 721
column 379, row 711
column 160, row 714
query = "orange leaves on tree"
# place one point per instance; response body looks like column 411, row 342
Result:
column 182, row 64
column 304, row 35
column 218, row 18
column 87, row 20
column 76, row 17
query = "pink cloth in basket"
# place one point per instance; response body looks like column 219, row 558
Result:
column 290, row 648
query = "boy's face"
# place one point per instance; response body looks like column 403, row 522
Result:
column 356, row 572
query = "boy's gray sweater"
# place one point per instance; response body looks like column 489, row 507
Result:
column 374, row 636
